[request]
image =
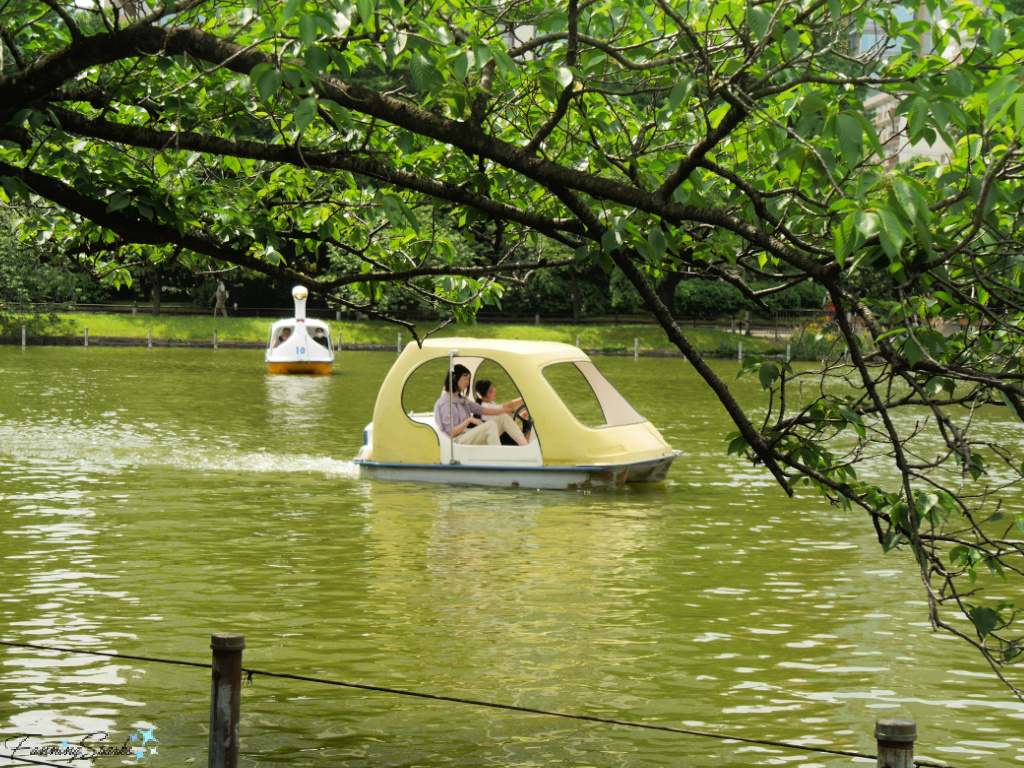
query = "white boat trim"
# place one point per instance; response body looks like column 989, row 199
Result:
column 578, row 477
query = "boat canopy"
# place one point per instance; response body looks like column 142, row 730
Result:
column 310, row 325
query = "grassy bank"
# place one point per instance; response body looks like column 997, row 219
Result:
column 601, row 338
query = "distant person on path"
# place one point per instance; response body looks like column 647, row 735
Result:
column 221, row 297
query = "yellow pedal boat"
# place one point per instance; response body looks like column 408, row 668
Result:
column 615, row 446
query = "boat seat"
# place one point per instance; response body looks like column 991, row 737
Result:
column 521, row 455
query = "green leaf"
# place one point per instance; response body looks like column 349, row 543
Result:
column 851, row 137
column 657, row 241
column 768, row 375
column 611, row 240
column 738, row 445
column 305, row 113
column 917, row 117
column 423, row 71
column 117, row 202
column 867, row 223
column 679, row 93
column 759, row 19
column 997, row 39
column 289, row 9
column 871, row 131
column 21, row 117
column 460, row 65
column 308, row 29
column 985, row 619
column 395, row 207
column 892, row 235
column 995, row 567
column 506, row 65
column 366, row 9
column 268, row 83
column 960, row 554
column 316, row 59
column 891, row 540
column 1009, row 404
column 845, row 239
column 937, row 384
column 893, row 332
column 910, row 199
column 913, row 352
column 849, row 414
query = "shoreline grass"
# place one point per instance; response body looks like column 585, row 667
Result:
column 602, row 338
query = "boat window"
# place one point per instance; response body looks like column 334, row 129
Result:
column 326, row 339
column 491, row 371
column 274, row 336
column 590, row 396
column 424, row 386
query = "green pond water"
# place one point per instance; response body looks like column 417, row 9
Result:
column 149, row 499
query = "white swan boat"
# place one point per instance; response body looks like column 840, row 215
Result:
column 299, row 344
column 616, row 446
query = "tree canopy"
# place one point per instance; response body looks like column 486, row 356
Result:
column 728, row 139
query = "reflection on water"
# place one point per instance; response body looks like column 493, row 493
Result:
column 148, row 500
column 298, row 402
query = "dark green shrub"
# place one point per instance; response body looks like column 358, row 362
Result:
column 707, row 300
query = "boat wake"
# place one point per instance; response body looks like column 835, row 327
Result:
column 116, row 447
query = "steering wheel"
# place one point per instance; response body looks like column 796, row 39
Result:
column 525, row 420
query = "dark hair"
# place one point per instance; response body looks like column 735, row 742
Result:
column 458, row 372
column 481, row 388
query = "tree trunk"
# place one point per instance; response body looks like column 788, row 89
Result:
column 156, row 291
column 575, row 296
column 667, row 289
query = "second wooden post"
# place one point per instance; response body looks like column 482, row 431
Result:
column 225, row 698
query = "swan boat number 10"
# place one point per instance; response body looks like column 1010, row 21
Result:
column 299, row 344
column 562, row 453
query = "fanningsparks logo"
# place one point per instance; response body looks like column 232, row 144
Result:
column 88, row 747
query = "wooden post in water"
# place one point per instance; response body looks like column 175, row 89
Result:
column 149, row 338
column 214, row 339
column 788, row 355
column 636, row 347
column 739, row 353
column 577, row 341
column 225, row 698
column 398, row 346
column 339, row 341
column 895, row 742
column 86, row 338
column 23, row 337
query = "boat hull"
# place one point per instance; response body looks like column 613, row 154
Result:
column 301, row 367
column 541, row 478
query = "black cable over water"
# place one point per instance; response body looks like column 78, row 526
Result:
column 488, row 704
